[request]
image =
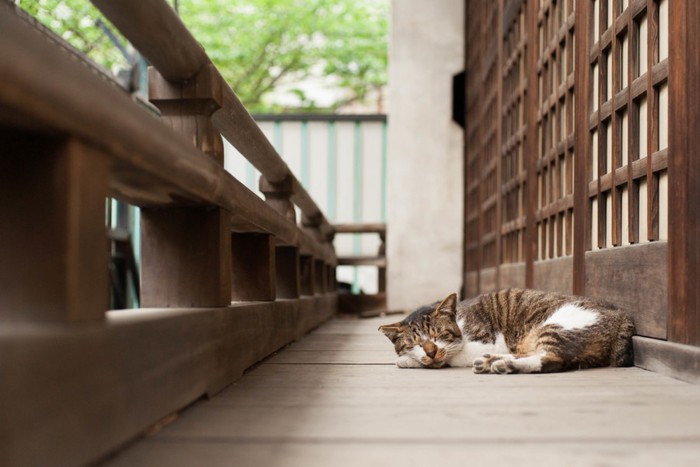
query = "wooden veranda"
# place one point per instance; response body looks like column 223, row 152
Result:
column 228, row 279
column 336, row 398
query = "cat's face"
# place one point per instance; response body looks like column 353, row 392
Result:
column 430, row 335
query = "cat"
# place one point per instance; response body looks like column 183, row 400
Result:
column 514, row 331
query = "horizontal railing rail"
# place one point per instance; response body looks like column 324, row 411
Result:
column 228, row 278
column 180, row 64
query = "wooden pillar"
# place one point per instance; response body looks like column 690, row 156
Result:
column 287, row 268
column 186, row 251
column 253, row 267
column 582, row 144
column 684, row 173
column 312, row 226
column 531, row 144
column 278, row 196
column 381, row 270
column 287, row 271
column 53, row 238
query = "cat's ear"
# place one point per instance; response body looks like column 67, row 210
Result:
column 448, row 305
column 392, row 331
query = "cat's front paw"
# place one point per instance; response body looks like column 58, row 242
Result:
column 502, row 367
column 481, row 365
column 498, row 364
column 407, row 362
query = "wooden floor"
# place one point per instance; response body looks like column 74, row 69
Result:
column 336, row 399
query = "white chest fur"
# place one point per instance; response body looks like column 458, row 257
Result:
column 474, row 349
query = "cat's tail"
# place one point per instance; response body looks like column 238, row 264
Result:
column 622, row 351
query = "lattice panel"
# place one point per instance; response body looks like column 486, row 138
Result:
column 490, row 153
column 481, row 226
column 513, row 129
column 628, row 185
column 555, row 123
column 472, row 206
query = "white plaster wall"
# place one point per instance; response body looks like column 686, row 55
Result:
column 425, row 180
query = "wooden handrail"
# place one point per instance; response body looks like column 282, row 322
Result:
column 155, row 39
column 155, row 30
column 101, row 115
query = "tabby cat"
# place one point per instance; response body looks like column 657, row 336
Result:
column 514, row 331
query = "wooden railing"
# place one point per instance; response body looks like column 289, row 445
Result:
column 226, row 277
column 361, row 303
column 342, row 159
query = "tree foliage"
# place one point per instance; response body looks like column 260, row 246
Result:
column 260, row 46
column 76, row 21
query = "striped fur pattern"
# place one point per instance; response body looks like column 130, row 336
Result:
column 514, row 331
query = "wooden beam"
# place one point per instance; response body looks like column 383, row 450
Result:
column 360, row 228
column 166, row 43
column 668, row 358
column 582, row 144
column 531, row 144
column 619, row 274
column 498, row 255
column 53, row 240
column 133, row 370
column 684, row 172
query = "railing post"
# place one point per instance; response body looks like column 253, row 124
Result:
column 278, row 196
column 287, row 259
column 186, row 251
column 381, row 270
column 53, row 239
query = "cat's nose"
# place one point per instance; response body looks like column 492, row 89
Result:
column 430, row 349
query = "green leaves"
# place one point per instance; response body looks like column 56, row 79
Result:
column 262, row 45
column 76, row 22
column 269, row 51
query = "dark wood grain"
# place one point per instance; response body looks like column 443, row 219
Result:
column 668, row 358
column 582, row 146
column 635, row 278
column 53, row 240
column 132, row 370
column 185, row 257
column 531, row 145
column 684, row 173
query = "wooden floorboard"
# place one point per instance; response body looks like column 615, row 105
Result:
column 335, row 398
